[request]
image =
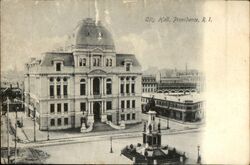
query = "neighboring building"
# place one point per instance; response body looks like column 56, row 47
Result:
column 177, row 81
column 87, row 81
column 187, row 108
column 149, row 84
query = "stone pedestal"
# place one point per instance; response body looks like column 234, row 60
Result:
column 83, row 128
column 91, row 118
column 122, row 125
column 104, row 118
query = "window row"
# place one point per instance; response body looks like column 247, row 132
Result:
column 83, row 106
column 127, row 89
column 59, row 122
column 108, row 62
column 59, row 108
column 82, row 62
column 128, row 116
column 58, row 79
column 128, row 105
column 58, row 90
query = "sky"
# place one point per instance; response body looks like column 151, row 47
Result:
column 29, row 28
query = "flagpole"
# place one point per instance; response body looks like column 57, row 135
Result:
column 8, row 130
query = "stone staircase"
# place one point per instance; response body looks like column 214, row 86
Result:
column 101, row 127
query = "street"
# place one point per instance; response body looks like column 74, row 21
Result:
column 95, row 146
column 99, row 151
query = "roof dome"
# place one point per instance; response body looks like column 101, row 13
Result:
column 89, row 34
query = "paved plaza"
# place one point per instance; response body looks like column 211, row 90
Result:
column 26, row 133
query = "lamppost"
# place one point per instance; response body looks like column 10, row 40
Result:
column 34, row 124
column 111, row 150
column 8, row 142
column 168, row 123
column 199, row 157
column 17, row 108
column 48, row 128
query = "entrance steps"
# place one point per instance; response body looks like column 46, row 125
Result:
column 101, row 127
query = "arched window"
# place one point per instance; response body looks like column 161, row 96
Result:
column 80, row 62
column 110, row 62
column 109, row 86
column 84, row 62
column 107, row 62
column 82, row 87
column 65, row 86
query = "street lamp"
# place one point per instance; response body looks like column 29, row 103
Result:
column 111, row 150
column 199, row 157
column 48, row 128
column 168, row 123
column 34, row 124
column 17, row 108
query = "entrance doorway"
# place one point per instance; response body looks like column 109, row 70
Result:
column 97, row 111
column 96, row 86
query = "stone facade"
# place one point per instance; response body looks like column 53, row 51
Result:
column 87, row 81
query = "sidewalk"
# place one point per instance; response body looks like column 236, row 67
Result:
column 26, row 133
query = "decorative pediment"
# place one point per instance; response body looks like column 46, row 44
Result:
column 97, row 50
column 97, row 72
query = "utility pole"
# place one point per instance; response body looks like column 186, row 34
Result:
column 111, row 150
column 16, row 135
column 34, row 124
column 8, row 130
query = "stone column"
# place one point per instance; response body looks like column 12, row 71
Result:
column 90, row 86
column 101, row 85
column 55, row 94
column 89, row 107
column 104, row 86
column 130, row 86
column 61, row 87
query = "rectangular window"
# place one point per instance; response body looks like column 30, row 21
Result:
column 109, row 88
column 83, row 107
column 133, row 88
column 82, row 89
column 109, row 105
column 58, row 108
column 128, row 103
column 127, row 88
column 127, row 67
column 65, row 90
column 122, row 104
column 51, row 90
column 133, row 116
column 58, row 66
column 133, row 103
column 66, row 121
column 58, row 90
column 65, row 107
column 128, row 116
column 52, row 108
column 59, row 122
column 122, row 117
column 122, row 88
column 52, row 122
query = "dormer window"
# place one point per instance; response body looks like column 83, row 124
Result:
column 128, row 66
column 58, row 66
column 82, row 62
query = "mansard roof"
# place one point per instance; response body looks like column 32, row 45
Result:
column 49, row 57
column 120, row 58
column 68, row 59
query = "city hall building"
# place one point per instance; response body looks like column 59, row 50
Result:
column 86, row 81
